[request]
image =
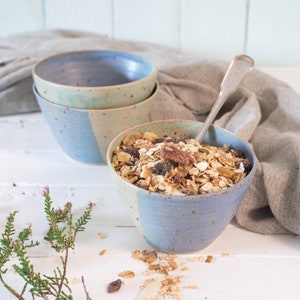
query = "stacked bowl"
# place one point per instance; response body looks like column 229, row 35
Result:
column 88, row 97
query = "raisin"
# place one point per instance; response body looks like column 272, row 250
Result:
column 134, row 152
column 176, row 179
column 157, row 140
column 162, row 167
column 239, row 153
column 114, row 286
column 247, row 165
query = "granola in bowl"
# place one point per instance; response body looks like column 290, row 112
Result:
column 178, row 166
column 181, row 195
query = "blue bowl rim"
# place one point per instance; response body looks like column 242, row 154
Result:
column 153, row 72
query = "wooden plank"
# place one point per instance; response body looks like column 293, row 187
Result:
column 48, row 168
column 20, row 15
column 273, row 36
column 24, row 140
column 239, row 278
column 213, row 29
column 147, row 20
column 84, row 15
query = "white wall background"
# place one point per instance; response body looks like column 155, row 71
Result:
column 268, row 30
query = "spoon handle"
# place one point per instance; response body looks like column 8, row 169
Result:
column 240, row 66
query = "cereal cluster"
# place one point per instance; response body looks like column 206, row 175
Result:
column 176, row 166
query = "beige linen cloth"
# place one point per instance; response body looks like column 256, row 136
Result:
column 264, row 112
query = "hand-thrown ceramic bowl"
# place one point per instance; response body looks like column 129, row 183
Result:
column 177, row 223
column 95, row 79
column 84, row 134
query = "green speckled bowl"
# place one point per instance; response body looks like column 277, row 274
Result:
column 95, row 79
column 84, row 134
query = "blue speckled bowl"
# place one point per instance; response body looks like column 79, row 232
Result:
column 182, row 223
column 84, row 134
column 95, row 79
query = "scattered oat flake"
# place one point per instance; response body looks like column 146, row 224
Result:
column 102, row 252
column 209, row 259
column 193, row 258
column 149, row 272
column 191, row 287
column 101, row 235
column 166, row 287
column 75, row 280
column 136, row 254
column 147, row 256
column 149, row 290
column 127, row 274
column 206, row 258
column 202, row 258
column 147, row 282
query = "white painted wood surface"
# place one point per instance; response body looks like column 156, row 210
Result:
column 85, row 15
column 209, row 28
column 273, row 28
column 20, row 16
column 245, row 265
column 153, row 21
column 218, row 29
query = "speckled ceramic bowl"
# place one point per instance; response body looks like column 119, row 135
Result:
column 175, row 223
column 84, row 134
column 95, row 79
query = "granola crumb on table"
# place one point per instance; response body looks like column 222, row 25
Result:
column 178, row 166
column 166, row 274
column 166, row 286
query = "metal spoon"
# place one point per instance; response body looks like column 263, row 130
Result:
column 240, row 66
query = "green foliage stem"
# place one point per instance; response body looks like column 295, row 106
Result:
column 61, row 236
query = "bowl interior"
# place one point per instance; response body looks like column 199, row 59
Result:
column 94, row 68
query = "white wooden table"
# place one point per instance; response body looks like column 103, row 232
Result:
column 245, row 265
